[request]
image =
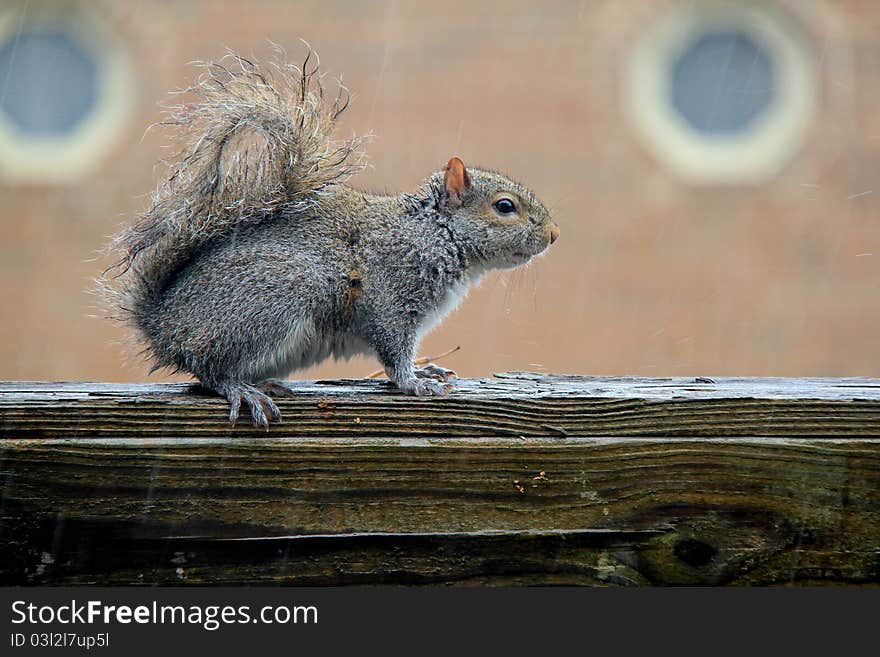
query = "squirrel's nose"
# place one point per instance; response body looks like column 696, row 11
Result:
column 554, row 233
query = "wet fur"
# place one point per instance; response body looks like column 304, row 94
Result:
column 256, row 258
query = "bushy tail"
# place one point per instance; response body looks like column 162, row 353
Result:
column 256, row 138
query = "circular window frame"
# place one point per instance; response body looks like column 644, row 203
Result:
column 28, row 158
column 762, row 148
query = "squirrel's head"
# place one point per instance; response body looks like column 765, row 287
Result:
column 504, row 223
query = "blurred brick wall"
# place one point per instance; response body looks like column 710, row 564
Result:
column 651, row 276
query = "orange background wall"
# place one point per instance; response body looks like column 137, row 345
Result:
column 652, row 276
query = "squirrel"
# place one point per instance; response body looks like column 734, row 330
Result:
column 256, row 258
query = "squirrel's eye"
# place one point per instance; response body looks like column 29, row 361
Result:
column 504, row 206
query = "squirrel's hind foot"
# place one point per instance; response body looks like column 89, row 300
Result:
column 263, row 409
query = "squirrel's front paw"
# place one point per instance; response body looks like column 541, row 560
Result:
column 431, row 371
column 426, row 388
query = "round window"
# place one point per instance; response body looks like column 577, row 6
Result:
column 64, row 93
column 722, row 91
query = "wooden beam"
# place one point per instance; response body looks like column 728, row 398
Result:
column 524, row 479
column 512, row 404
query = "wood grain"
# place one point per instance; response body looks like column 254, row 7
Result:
column 735, row 482
column 513, row 404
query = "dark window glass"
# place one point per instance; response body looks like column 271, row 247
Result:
column 721, row 82
column 48, row 83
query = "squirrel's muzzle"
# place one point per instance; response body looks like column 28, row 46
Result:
column 554, row 233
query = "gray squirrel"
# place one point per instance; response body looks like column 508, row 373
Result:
column 256, row 258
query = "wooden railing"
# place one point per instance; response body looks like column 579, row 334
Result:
column 519, row 479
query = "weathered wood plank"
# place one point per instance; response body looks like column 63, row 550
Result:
column 636, row 481
column 757, row 510
column 515, row 404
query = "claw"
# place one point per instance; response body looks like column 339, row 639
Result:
column 271, row 409
column 263, row 409
column 234, row 398
column 258, row 414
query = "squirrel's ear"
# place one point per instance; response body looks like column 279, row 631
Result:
column 456, row 179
